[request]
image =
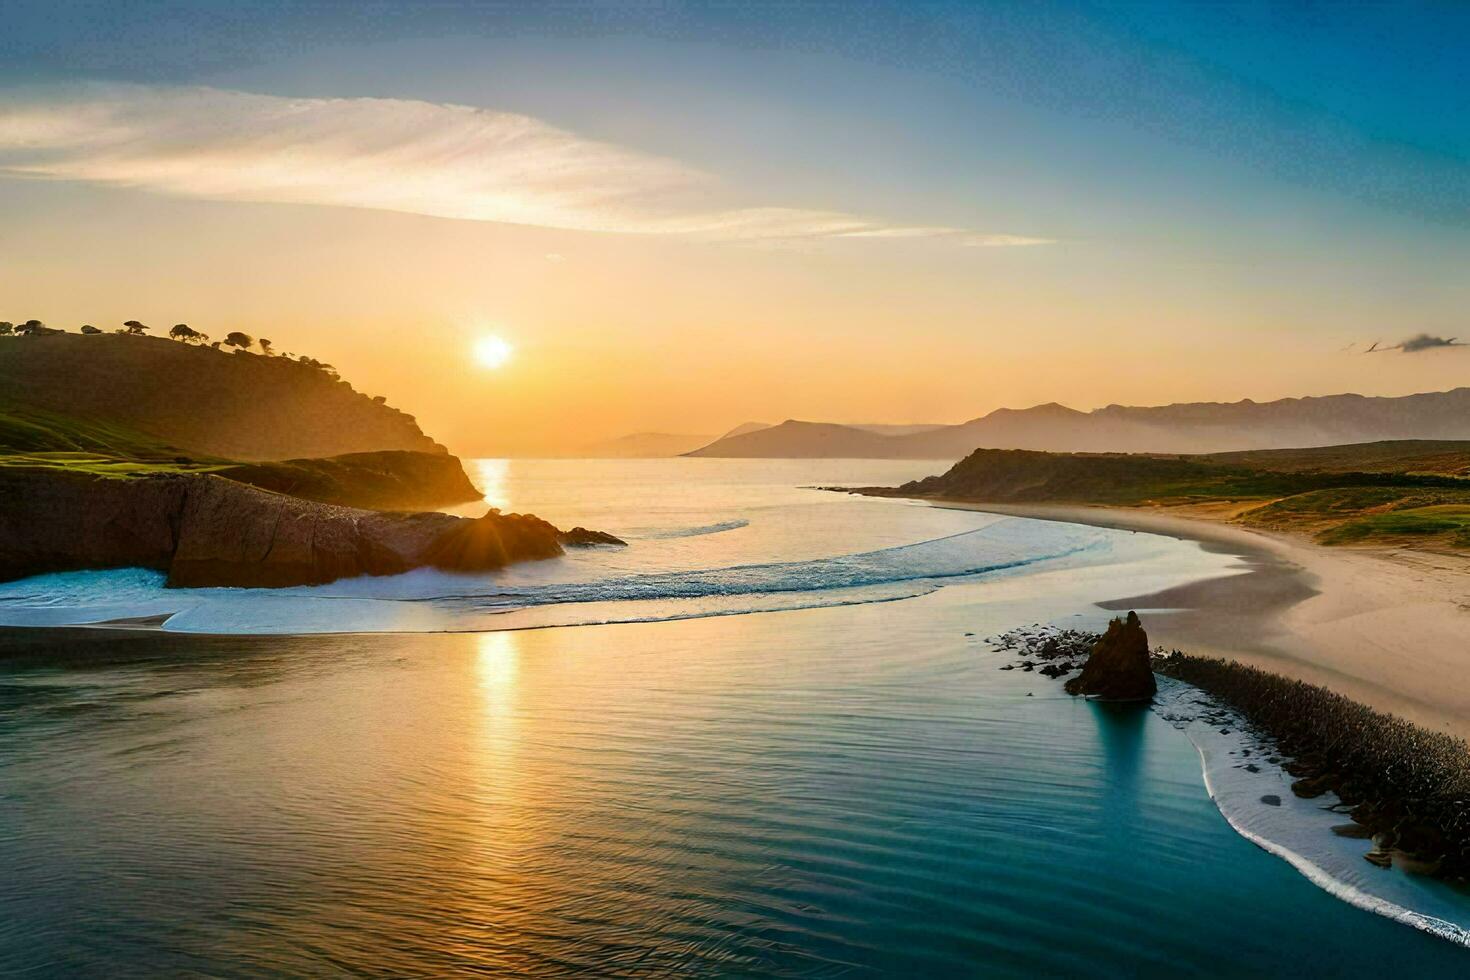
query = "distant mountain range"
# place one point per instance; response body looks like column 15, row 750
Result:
column 648, row 445
column 1197, row 427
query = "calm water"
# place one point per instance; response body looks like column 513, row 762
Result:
column 842, row 785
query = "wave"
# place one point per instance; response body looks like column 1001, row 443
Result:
column 692, row 532
column 1296, row 830
column 973, row 552
column 430, row 601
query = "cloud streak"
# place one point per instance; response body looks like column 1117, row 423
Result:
column 448, row 161
column 1417, row 343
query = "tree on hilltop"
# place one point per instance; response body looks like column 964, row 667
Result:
column 34, row 328
column 265, row 346
column 237, row 339
column 88, row 329
column 134, row 328
column 186, row 333
column 6, row 328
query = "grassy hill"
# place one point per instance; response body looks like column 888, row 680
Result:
column 147, row 392
column 1406, row 493
column 1442, row 456
column 133, row 407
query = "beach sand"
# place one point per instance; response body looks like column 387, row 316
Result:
column 1389, row 628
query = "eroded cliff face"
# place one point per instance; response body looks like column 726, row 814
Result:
column 204, row 530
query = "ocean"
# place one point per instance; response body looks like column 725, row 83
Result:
column 769, row 737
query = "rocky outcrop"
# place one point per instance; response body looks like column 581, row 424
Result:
column 204, row 530
column 1118, row 667
column 387, row 480
column 581, row 537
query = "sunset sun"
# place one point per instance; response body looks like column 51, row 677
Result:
column 492, row 352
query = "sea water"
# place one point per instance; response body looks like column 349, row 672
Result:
column 767, row 737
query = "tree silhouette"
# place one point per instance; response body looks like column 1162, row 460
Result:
column 31, row 327
column 6, row 328
column 186, row 333
column 87, row 328
column 134, row 328
column 237, row 339
column 265, row 346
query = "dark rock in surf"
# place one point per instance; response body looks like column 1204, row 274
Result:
column 1118, row 669
column 581, row 537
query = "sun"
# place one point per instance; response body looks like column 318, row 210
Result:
column 492, row 352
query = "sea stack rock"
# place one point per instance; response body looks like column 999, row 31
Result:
column 1118, row 668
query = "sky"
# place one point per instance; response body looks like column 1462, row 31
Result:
column 685, row 216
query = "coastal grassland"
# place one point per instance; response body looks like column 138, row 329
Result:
column 1449, row 522
column 34, row 437
column 1445, row 457
column 45, row 441
column 1336, row 506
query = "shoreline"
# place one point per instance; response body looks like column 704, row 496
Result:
column 1383, row 627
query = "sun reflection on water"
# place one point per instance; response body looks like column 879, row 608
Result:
column 492, row 477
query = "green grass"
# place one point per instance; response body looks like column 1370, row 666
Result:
column 35, row 438
column 34, row 430
column 1447, row 523
column 1336, row 507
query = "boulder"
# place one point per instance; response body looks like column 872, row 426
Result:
column 581, row 537
column 1118, row 667
column 493, row 541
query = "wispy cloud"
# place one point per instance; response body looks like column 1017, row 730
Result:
column 449, row 161
column 1417, row 343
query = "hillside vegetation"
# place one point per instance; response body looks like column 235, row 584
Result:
column 148, row 392
column 132, row 407
column 1370, row 493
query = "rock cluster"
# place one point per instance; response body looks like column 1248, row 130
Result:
column 1405, row 787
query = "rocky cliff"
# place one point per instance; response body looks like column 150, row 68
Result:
column 205, row 530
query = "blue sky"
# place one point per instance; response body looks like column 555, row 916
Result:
column 1250, row 175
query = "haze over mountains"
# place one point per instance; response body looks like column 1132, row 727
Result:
column 1199, row 427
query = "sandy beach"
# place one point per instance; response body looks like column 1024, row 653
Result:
column 1390, row 628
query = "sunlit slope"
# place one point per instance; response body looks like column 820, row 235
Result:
column 120, row 390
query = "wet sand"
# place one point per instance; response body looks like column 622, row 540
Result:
column 1387, row 627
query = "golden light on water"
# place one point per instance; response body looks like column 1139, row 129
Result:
column 492, row 351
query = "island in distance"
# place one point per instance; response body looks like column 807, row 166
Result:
column 227, row 469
